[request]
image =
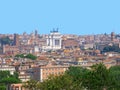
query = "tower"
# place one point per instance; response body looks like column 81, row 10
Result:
column 112, row 36
column 16, row 39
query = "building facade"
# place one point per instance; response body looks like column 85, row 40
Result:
column 53, row 41
column 43, row 72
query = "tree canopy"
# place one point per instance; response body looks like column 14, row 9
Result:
column 6, row 78
column 113, row 48
column 29, row 56
column 98, row 77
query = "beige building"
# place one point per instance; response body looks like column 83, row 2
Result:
column 43, row 72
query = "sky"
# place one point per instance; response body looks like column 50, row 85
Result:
column 79, row 17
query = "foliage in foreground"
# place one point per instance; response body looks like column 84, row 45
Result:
column 78, row 78
column 6, row 79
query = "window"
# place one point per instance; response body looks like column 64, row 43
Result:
column 57, row 42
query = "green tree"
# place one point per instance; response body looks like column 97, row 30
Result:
column 30, row 56
column 98, row 78
column 113, row 48
column 4, row 74
column 9, row 80
column 78, row 75
column 2, row 87
column 6, row 78
column 62, row 82
column 31, row 85
column 20, row 56
column 78, row 78
column 115, row 77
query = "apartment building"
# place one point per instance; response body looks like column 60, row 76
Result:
column 43, row 72
column 70, row 43
column 10, row 50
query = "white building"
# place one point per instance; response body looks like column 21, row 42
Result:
column 53, row 41
column 7, row 68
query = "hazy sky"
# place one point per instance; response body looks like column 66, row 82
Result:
column 70, row 16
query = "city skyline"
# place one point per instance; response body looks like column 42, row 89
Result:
column 71, row 17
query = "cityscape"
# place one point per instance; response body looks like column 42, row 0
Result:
column 36, row 56
column 59, row 45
